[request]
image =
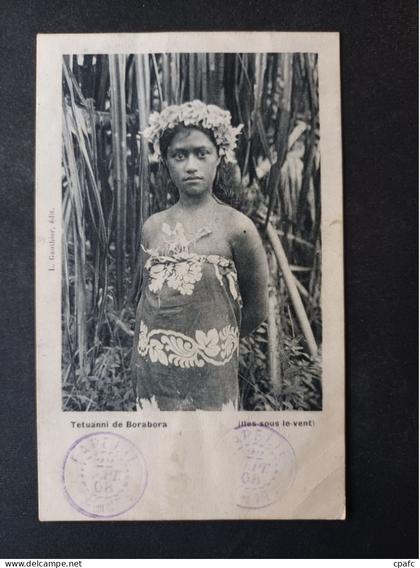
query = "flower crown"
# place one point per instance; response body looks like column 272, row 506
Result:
column 195, row 113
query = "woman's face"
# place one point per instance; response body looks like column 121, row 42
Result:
column 192, row 161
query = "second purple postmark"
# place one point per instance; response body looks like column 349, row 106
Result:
column 263, row 464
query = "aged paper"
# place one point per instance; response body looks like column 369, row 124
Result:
column 274, row 449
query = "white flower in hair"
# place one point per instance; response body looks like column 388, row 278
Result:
column 195, row 113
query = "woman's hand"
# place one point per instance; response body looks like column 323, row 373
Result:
column 251, row 265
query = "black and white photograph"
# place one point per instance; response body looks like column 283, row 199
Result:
column 191, row 232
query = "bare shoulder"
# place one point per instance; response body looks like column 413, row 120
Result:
column 156, row 219
column 152, row 225
column 241, row 228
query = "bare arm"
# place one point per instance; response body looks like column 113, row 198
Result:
column 147, row 238
column 251, row 265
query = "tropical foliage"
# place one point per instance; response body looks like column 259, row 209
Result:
column 110, row 188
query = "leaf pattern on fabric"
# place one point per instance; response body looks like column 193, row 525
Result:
column 233, row 284
column 184, row 275
column 178, row 267
column 170, row 347
column 158, row 276
column 156, row 352
column 183, row 270
column 208, row 342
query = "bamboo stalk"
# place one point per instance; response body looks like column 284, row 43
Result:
column 260, row 69
column 211, row 76
column 183, row 70
column 130, row 82
column 273, row 329
column 103, row 71
column 282, row 132
column 258, row 125
column 166, row 79
column 244, row 110
column 311, row 147
column 191, row 76
column 174, row 77
column 147, row 81
column 159, row 88
column 292, row 289
column 119, row 170
column 143, row 89
column 202, row 65
column 220, row 73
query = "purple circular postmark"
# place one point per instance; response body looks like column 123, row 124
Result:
column 104, row 475
column 264, row 465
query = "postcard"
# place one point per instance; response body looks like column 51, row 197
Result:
column 189, row 277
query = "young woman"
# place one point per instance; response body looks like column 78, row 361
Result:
column 205, row 274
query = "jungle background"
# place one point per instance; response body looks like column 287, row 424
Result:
column 110, row 187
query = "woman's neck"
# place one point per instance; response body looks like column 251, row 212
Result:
column 195, row 202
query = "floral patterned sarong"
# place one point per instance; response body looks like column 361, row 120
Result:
column 185, row 354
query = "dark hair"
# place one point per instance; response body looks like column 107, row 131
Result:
column 169, row 134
